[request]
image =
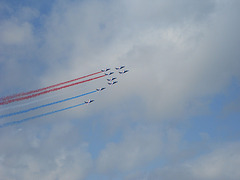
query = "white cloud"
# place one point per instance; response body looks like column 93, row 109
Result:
column 17, row 29
column 180, row 61
column 222, row 163
column 40, row 154
column 18, row 44
column 138, row 147
column 15, row 35
column 179, row 54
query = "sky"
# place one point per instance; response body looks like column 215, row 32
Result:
column 174, row 115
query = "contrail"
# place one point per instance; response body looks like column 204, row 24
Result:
column 48, row 91
column 42, row 89
column 45, row 105
column 38, row 116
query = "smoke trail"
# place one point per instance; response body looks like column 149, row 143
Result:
column 45, row 105
column 32, row 102
column 42, row 89
column 38, row 116
column 28, row 103
column 48, row 91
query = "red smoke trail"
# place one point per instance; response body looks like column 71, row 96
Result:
column 48, row 91
column 7, row 98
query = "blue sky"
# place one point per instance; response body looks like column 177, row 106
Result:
column 175, row 115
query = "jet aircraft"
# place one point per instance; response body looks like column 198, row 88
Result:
column 112, row 79
column 100, row 89
column 118, row 68
column 105, row 70
column 108, row 74
column 89, row 101
column 112, row 83
column 123, row 72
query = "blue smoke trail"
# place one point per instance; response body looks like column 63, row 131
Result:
column 45, row 105
column 38, row 116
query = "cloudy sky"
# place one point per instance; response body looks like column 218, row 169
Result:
column 175, row 115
